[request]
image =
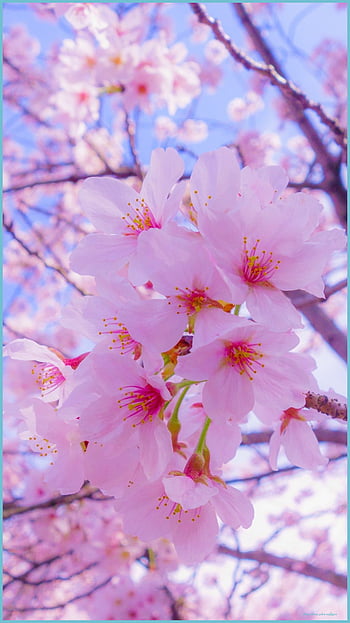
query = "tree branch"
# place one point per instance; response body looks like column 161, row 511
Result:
column 297, row 100
column 329, row 406
column 289, row 564
column 58, row 269
column 326, row 327
column 86, row 492
column 122, row 173
column 338, row 437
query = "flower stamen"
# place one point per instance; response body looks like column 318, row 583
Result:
column 244, row 357
column 257, row 266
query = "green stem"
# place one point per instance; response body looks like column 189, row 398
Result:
column 201, row 441
column 187, row 384
column 174, row 418
column 151, row 558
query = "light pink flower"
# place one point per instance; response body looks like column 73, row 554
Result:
column 247, row 364
column 298, row 439
column 241, row 108
column 127, row 410
column 58, row 442
column 193, row 131
column 118, row 210
column 53, row 372
column 180, row 268
column 262, row 249
column 156, row 510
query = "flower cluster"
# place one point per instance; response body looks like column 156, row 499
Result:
column 191, row 331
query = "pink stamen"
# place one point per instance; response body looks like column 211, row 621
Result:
column 142, row 402
column 243, row 357
column 192, row 301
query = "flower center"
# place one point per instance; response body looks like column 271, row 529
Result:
column 192, row 301
column 43, row 446
column 142, row 403
column 122, row 340
column 258, row 266
column 175, row 511
column 48, row 377
column 244, row 358
column 138, row 219
column 142, row 89
column 288, row 415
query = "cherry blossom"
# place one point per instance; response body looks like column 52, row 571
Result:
column 52, row 371
column 263, row 251
column 245, row 364
column 123, row 214
column 297, row 439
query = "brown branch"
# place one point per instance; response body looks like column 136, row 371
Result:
column 338, row 437
column 329, row 406
column 289, row 90
column 9, row 228
column 327, row 328
column 297, row 100
column 271, row 69
column 280, row 472
column 63, row 604
column 300, row 298
column 122, row 173
column 289, row 564
column 86, row 492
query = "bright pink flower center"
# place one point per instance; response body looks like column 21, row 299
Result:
column 83, row 97
column 192, row 301
column 243, row 357
column 139, row 219
column 75, row 361
column 288, row 415
column 122, row 340
column 141, row 402
column 258, row 266
column 49, row 377
column 173, row 510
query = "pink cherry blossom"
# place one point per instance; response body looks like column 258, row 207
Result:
column 122, row 213
column 156, row 510
column 196, row 293
column 53, row 372
column 247, row 364
column 58, row 443
column 264, row 251
column 298, row 440
column 241, row 108
column 129, row 403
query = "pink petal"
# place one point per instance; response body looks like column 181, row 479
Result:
column 301, row 446
column 101, row 254
column 165, row 169
column 105, row 201
column 186, row 492
column 194, row 540
column 233, row 507
column 271, row 307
